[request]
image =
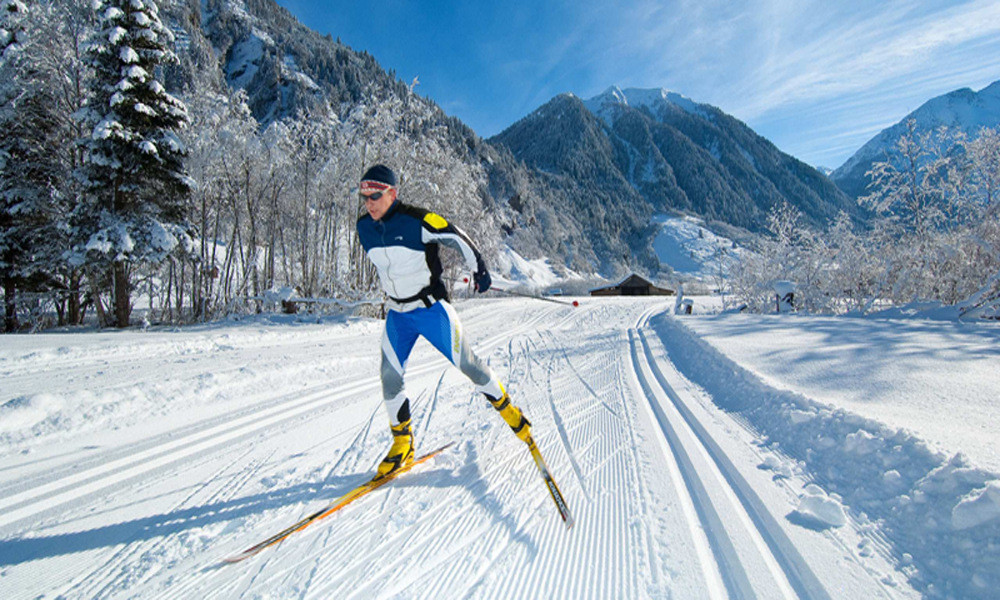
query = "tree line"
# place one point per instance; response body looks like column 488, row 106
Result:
column 934, row 237
column 116, row 192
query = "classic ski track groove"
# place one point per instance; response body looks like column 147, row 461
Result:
column 686, row 436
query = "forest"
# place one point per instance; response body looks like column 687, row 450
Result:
column 134, row 175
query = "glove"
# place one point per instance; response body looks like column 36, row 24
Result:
column 482, row 280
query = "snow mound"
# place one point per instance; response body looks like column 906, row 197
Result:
column 977, row 508
column 820, row 509
column 780, row 468
column 940, row 516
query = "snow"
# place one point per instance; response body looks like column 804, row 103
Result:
column 817, row 508
column 113, row 13
column 116, row 34
column 137, row 73
column 979, row 507
column 145, row 109
column 652, row 99
column 128, row 55
column 115, row 238
column 702, row 456
column 931, row 378
column 534, row 274
column 691, row 250
column 782, row 287
column 172, row 142
column 244, row 61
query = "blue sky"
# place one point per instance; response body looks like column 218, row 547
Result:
column 816, row 78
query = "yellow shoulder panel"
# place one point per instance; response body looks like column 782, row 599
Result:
column 435, row 221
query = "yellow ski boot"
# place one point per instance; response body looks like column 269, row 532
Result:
column 513, row 416
column 401, row 452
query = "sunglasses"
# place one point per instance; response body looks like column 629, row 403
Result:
column 374, row 196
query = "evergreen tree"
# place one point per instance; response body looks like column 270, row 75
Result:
column 27, row 171
column 134, row 172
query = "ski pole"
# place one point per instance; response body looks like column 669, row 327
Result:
column 532, row 296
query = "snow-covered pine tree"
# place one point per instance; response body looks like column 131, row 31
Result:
column 134, row 213
column 27, row 169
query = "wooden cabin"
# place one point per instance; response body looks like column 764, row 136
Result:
column 633, row 285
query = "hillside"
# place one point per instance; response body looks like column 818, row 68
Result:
column 660, row 151
column 580, row 191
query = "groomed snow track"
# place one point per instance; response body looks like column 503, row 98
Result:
column 753, row 556
column 661, row 509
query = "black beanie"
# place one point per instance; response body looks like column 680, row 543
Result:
column 381, row 174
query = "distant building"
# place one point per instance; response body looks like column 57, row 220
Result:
column 633, row 285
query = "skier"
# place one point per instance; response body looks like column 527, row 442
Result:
column 402, row 241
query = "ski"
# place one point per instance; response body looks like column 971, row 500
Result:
column 550, row 483
column 333, row 507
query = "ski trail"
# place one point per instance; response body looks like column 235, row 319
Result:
column 428, row 413
column 790, row 575
column 650, row 558
column 553, row 405
column 460, row 526
column 74, row 484
column 565, row 356
column 716, row 581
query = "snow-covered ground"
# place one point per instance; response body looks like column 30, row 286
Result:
column 702, row 456
column 691, row 250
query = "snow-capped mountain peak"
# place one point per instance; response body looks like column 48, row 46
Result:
column 638, row 97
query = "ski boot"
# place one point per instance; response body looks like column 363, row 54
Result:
column 513, row 416
column 401, row 452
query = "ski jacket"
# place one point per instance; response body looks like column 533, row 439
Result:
column 403, row 245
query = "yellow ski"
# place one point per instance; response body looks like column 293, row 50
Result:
column 333, row 507
column 550, row 483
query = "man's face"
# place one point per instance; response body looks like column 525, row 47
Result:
column 377, row 207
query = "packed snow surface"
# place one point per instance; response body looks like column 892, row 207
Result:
column 939, row 380
column 702, row 457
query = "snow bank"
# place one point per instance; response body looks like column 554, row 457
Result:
column 942, row 511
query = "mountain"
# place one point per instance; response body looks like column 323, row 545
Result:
column 962, row 109
column 659, row 151
column 288, row 71
column 285, row 68
column 577, row 183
